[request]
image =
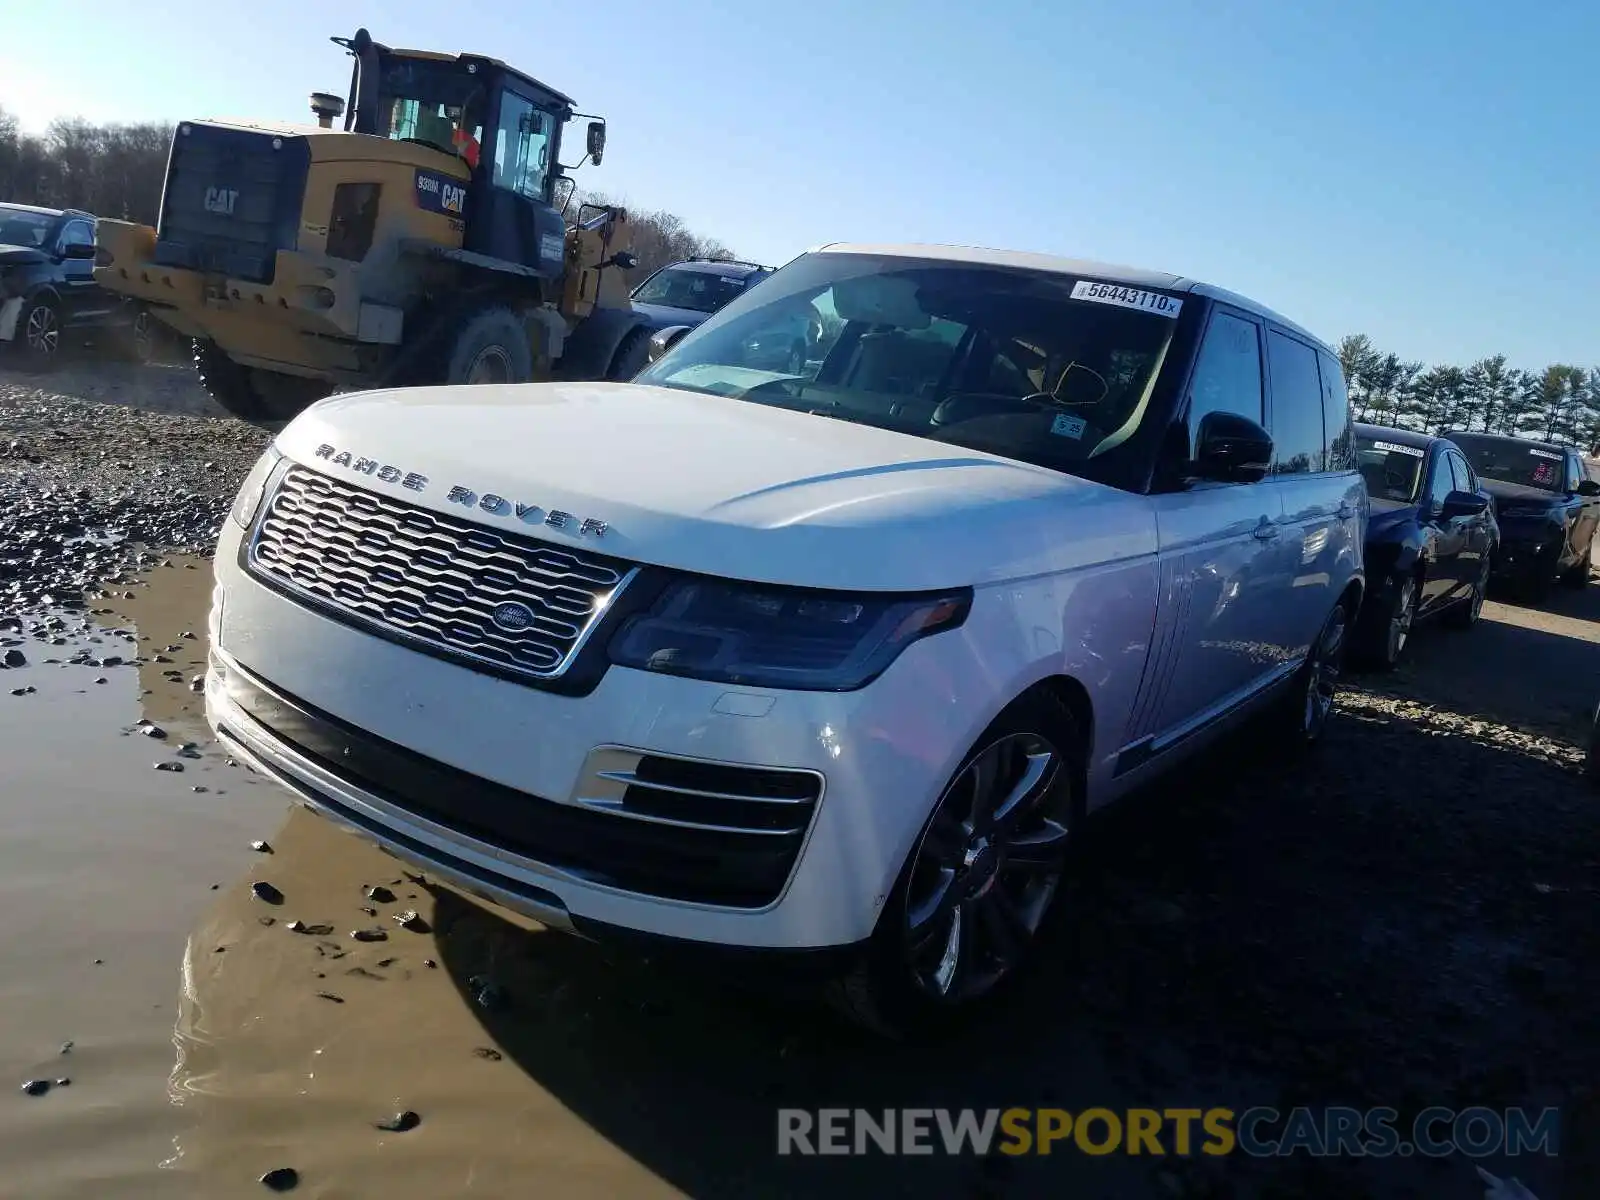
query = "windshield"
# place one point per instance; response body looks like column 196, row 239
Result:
column 1511, row 460
column 677, row 287
column 994, row 359
column 1393, row 471
column 436, row 103
column 19, row 227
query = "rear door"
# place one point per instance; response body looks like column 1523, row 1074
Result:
column 1314, row 551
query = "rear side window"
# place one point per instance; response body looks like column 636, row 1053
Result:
column 1298, row 442
column 1227, row 375
column 1336, row 415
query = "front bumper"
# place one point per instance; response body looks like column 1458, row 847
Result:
column 464, row 773
column 1527, row 554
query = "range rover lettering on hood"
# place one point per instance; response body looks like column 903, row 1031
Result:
column 498, row 506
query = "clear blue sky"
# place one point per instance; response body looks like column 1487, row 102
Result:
column 1424, row 172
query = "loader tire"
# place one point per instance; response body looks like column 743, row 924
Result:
column 489, row 345
column 226, row 382
column 260, row 397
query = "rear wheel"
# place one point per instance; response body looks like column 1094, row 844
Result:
column 1465, row 614
column 490, row 345
column 982, row 877
column 250, row 394
column 1302, row 715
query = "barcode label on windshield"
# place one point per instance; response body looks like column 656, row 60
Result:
column 1545, row 454
column 1394, row 448
column 1127, row 297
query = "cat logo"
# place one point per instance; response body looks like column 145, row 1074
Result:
column 221, row 200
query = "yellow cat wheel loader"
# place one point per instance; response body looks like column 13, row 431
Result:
column 422, row 242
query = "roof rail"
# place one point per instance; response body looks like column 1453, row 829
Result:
column 732, row 262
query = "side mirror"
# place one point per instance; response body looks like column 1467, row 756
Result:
column 1464, row 504
column 597, row 141
column 78, row 250
column 624, row 260
column 1589, row 488
column 1231, row 449
column 665, row 339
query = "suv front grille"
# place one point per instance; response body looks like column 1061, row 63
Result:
column 429, row 578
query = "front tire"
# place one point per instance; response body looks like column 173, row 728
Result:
column 1386, row 631
column 980, row 881
column 1577, row 575
column 632, row 356
column 39, row 335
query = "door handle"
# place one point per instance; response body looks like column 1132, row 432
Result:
column 1266, row 531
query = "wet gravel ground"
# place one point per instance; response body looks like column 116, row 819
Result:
column 91, row 488
column 1408, row 918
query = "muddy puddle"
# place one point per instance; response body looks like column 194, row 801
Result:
column 217, row 1035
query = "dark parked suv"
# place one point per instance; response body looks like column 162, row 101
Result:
column 686, row 293
column 1546, row 504
column 48, row 293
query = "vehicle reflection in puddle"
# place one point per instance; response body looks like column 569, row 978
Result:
column 104, row 862
column 292, row 1046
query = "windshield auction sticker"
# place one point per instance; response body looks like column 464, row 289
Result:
column 1127, row 297
column 1396, row 448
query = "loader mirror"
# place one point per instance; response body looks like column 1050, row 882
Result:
column 597, row 141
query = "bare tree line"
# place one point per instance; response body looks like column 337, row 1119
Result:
column 1559, row 402
column 118, row 170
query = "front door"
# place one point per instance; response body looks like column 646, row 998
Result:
column 82, row 298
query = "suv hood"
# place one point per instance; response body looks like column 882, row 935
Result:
column 14, row 256
column 1520, row 494
column 661, row 316
column 720, row 486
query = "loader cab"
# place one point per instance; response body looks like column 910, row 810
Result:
column 499, row 126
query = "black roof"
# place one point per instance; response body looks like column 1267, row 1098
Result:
column 1401, row 437
column 49, row 212
column 711, row 266
column 1512, row 438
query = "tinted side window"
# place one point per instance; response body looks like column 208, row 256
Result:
column 1443, row 482
column 1298, row 442
column 1575, row 472
column 1336, row 415
column 1466, row 481
column 1227, row 375
column 77, row 233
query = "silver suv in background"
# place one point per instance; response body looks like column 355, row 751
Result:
column 826, row 657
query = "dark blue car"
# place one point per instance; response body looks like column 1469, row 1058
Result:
column 1431, row 539
column 686, row 293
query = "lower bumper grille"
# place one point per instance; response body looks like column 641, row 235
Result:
column 659, row 838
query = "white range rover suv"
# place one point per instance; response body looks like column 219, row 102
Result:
column 830, row 659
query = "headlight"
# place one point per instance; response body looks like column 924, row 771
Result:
column 255, row 484
column 780, row 637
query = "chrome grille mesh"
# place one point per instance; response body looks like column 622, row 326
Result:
column 430, row 577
